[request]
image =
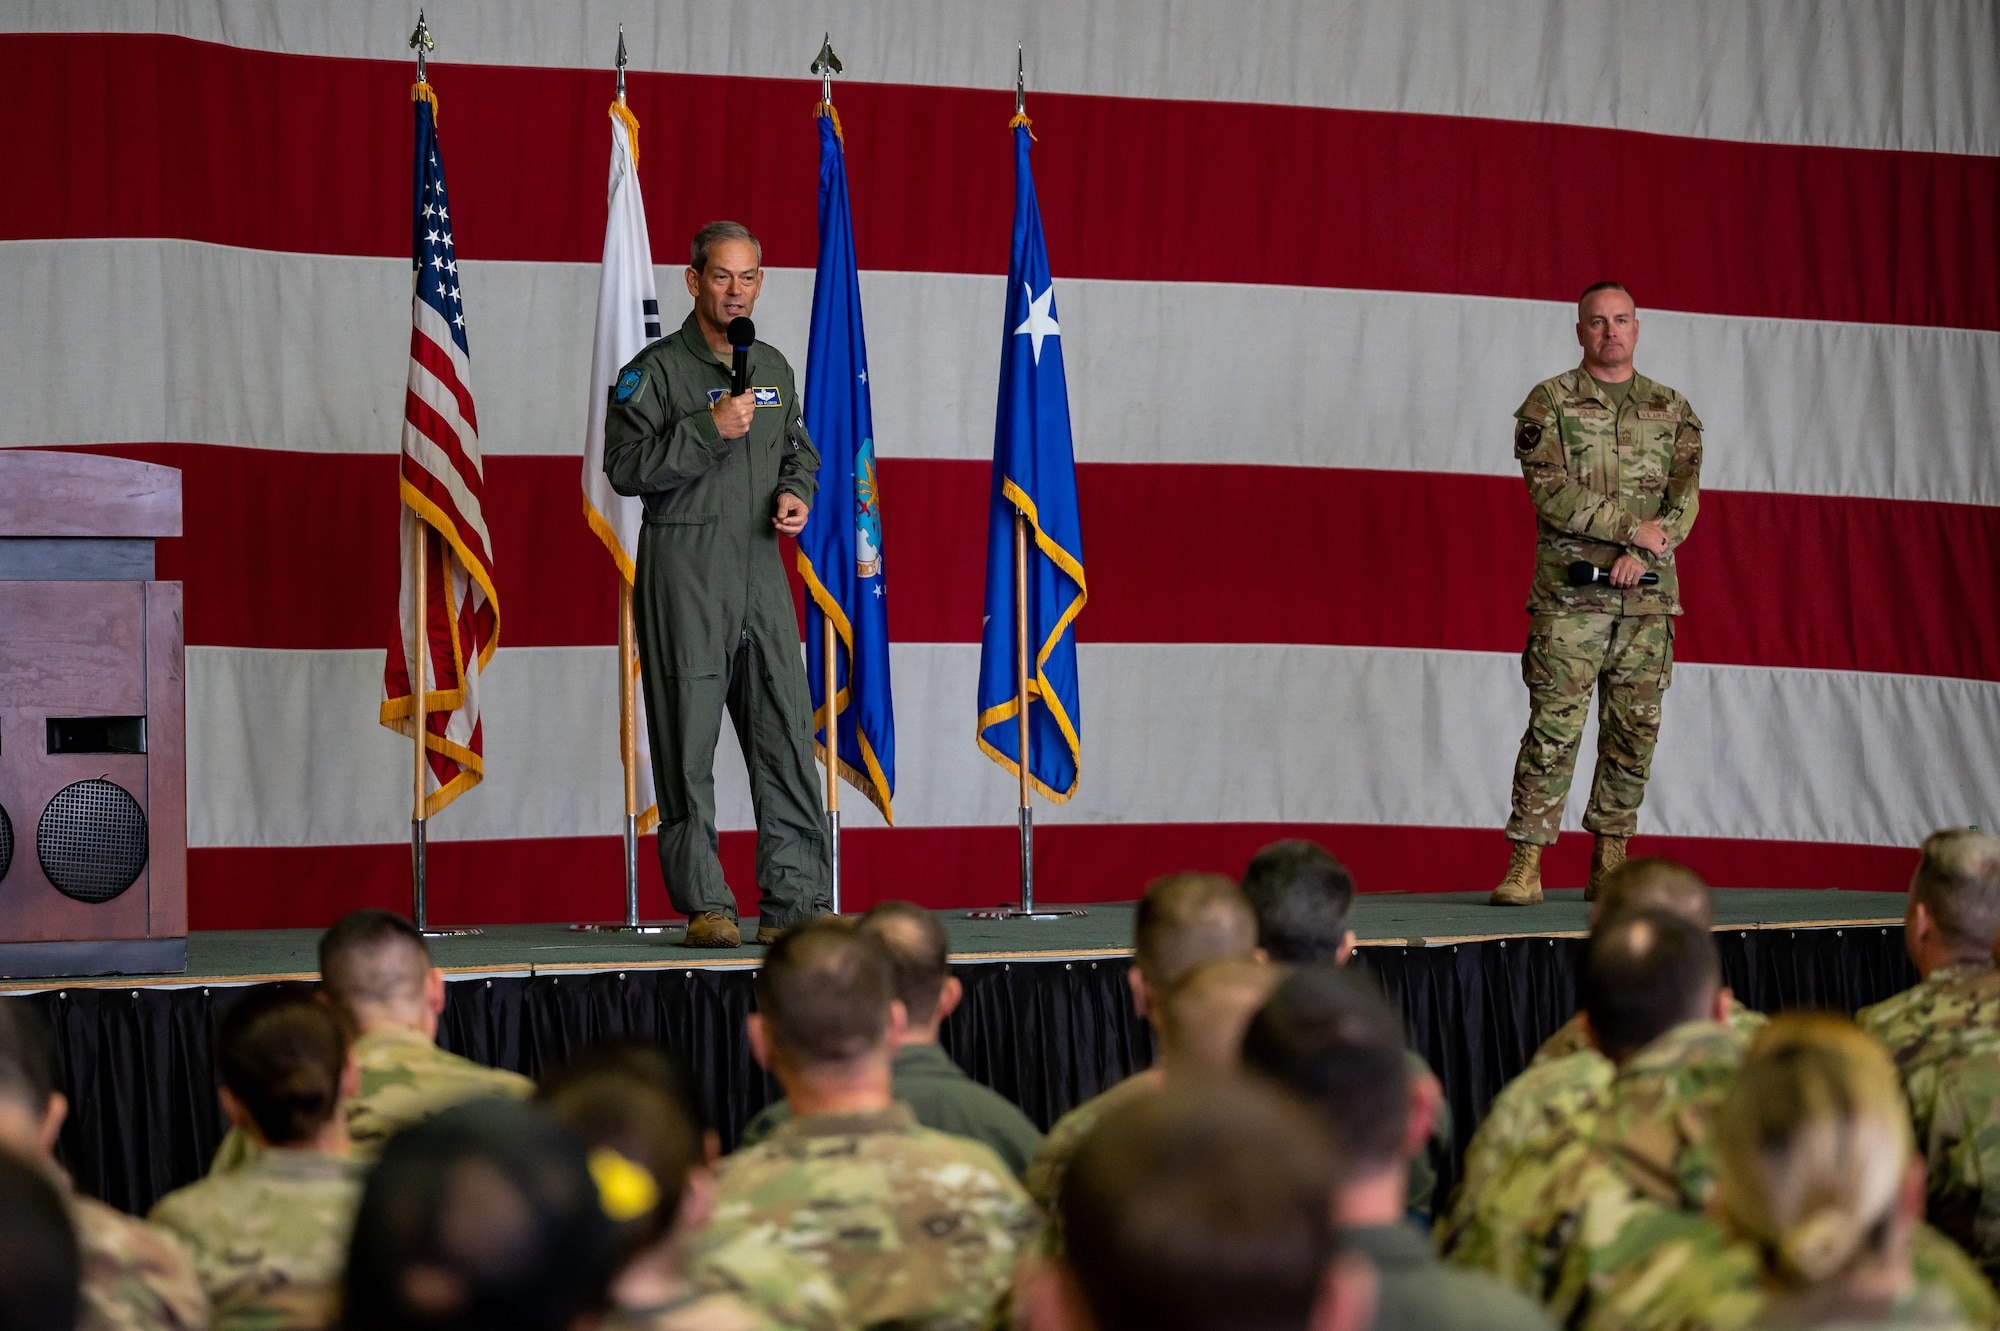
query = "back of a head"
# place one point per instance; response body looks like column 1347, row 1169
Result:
column 27, row 1056
column 824, row 993
column 1202, row 1208
column 1185, row 919
column 1328, row 1037
column 1958, row 882
column 1301, row 895
column 1204, row 1016
column 1657, row 883
column 483, row 1218
column 1644, row 973
column 281, row 1052
column 1811, row 1146
column 919, row 953
column 373, row 958
column 642, row 1145
column 40, row 1268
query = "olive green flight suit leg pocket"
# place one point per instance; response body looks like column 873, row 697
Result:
column 773, row 717
column 1559, row 666
column 1637, row 671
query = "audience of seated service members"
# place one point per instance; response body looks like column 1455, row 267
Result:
column 1182, row 920
column 1327, row 1036
column 1302, row 897
column 40, row 1272
column 269, row 1236
column 914, row 1227
column 922, row 1074
column 135, row 1277
column 1201, row 1208
column 484, row 1217
column 1567, row 1072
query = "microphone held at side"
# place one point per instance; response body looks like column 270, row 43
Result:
column 1583, row 573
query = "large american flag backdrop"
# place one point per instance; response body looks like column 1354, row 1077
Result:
column 1312, row 255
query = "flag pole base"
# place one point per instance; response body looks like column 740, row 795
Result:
column 833, row 851
column 632, row 923
column 1027, row 909
column 419, row 864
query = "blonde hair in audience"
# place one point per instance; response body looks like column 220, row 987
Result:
column 1812, row 1146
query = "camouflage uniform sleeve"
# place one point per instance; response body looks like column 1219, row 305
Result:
column 1962, row 1158
column 798, row 472
column 1683, row 479
column 646, row 448
column 1947, row 1273
column 1667, row 1270
column 1564, row 503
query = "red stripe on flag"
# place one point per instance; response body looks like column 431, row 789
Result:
column 1129, row 188
column 581, row 878
column 438, row 360
column 1174, row 554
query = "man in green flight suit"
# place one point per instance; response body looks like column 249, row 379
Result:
column 723, row 477
column 1613, row 465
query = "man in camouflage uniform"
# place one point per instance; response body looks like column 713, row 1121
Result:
column 924, row 1076
column 913, row 1227
column 376, row 969
column 722, row 478
column 1949, row 930
column 135, row 1277
column 1652, row 1001
column 1183, row 921
column 1613, row 464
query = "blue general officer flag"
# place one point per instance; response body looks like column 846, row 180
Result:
column 840, row 550
column 1034, row 472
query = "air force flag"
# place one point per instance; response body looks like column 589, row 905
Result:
column 1034, row 473
column 840, row 550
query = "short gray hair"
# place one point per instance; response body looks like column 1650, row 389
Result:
column 1958, row 881
column 714, row 234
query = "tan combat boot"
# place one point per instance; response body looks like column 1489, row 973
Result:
column 766, row 935
column 1523, row 884
column 711, row 928
column 1606, row 854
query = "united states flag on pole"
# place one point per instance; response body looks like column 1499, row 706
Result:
column 628, row 317
column 458, row 626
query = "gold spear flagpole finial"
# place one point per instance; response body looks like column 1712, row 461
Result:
column 621, row 62
column 826, row 64
column 421, row 43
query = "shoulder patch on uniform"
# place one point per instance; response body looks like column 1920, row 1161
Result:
column 1536, row 410
column 766, row 397
column 716, row 395
column 628, row 384
column 1527, row 436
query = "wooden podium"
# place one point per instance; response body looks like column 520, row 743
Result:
column 93, row 734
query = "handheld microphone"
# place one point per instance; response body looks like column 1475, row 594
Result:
column 1583, row 573
column 741, row 334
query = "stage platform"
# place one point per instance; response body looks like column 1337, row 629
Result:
column 1046, row 1020
column 253, row 956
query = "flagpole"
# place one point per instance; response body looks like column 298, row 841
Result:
column 1021, row 675
column 832, row 762
column 628, row 707
column 1027, row 909
column 419, row 649
column 420, row 645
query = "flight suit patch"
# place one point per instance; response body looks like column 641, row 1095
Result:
column 766, row 397
column 628, row 384
column 716, row 395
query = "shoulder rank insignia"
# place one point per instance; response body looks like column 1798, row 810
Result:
column 628, row 384
column 766, row 397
